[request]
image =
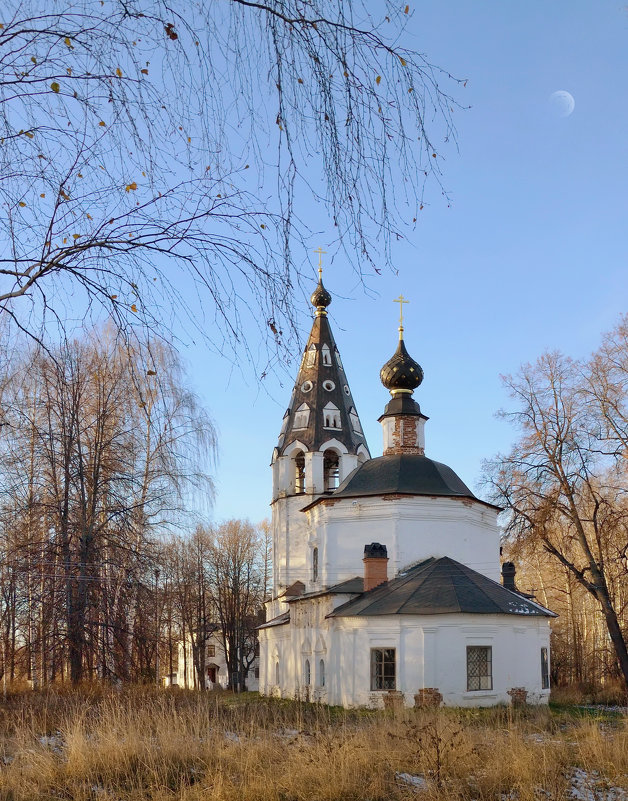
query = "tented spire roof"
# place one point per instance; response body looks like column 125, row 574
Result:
column 321, row 406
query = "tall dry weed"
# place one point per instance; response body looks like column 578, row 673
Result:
column 142, row 744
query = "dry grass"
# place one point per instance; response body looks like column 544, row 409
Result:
column 144, row 744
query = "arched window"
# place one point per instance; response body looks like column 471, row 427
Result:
column 321, row 673
column 307, row 673
column 355, row 421
column 315, row 564
column 277, row 672
column 331, row 470
column 299, row 473
column 331, row 416
column 302, row 416
column 326, row 354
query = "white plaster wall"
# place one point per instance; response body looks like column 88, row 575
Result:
column 290, row 532
column 412, row 528
column 430, row 652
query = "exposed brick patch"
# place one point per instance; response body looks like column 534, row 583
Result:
column 518, row 696
column 393, row 699
column 428, row 697
column 404, row 436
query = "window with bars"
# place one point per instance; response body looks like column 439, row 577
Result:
column 479, row 667
column 545, row 679
column 211, row 650
column 383, row 668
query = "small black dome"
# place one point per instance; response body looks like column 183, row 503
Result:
column 401, row 372
column 320, row 297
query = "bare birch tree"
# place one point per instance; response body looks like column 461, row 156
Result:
column 154, row 153
column 565, row 489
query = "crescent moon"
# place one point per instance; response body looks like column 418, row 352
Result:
column 563, row 102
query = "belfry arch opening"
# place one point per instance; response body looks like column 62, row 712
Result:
column 299, row 472
column 331, row 470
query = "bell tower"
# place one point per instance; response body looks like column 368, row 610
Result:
column 320, row 443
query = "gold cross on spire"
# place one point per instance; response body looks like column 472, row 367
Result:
column 400, row 300
column 320, row 252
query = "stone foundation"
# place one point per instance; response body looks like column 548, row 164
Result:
column 428, row 697
column 393, row 699
column 518, row 696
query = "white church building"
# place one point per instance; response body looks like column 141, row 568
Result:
column 386, row 574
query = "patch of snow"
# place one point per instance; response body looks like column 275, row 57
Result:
column 53, row 742
column 417, row 782
column 590, row 786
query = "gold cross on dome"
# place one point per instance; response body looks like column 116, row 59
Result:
column 320, row 252
column 400, row 300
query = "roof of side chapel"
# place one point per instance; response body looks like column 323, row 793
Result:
column 321, row 381
column 438, row 587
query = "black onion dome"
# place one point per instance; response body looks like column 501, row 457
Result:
column 320, row 297
column 401, row 372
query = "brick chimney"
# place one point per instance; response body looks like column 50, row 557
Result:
column 508, row 576
column 375, row 565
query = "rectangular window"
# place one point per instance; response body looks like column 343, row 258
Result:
column 383, row 669
column 545, row 681
column 479, row 667
column 211, row 650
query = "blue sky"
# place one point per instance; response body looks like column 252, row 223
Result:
column 531, row 254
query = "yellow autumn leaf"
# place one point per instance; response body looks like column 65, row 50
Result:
column 130, row 187
column 406, row 9
column 378, row 80
column 29, row 134
column 65, row 239
column 144, row 72
column 55, row 87
column 119, row 72
column 67, row 41
column 102, row 124
column 33, row 59
column 189, row 139
column 403, row 61
column 21, row 204
column 76, row 236
column 134, row 308
column 113, row 297
column 43, row 194
column 89, row 216
column 80, row 175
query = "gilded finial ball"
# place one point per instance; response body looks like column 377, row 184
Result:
column 320, row 297
column 401, row 373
